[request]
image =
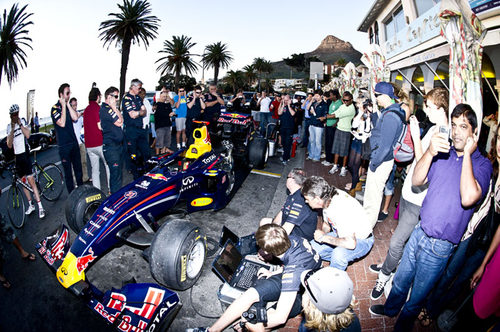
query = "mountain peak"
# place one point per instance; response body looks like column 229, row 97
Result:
column 331, row 42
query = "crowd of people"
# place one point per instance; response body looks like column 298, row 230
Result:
column 449, row 208
column 447, row 238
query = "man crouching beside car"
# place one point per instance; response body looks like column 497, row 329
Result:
column 282, row 285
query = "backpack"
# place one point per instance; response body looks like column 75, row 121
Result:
column 403, row 150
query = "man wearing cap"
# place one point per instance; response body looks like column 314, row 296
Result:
column 135, row 136
column 282, row 285
column 296, row 217
column 17, row 135
column 63, row 115
column 384, row 136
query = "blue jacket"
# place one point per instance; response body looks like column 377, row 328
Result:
column 385, row 135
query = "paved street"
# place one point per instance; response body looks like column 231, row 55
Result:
column 37, row 301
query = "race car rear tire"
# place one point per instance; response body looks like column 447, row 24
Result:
column 257, row 152
column 81, row 205
column 178, row 252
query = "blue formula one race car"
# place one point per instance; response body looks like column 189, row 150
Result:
column 199, row 177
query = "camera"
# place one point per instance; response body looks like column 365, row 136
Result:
column 444, row 131
column 255, row 314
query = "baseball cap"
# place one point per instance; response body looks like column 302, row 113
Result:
column 386, row 89
column 329, row 289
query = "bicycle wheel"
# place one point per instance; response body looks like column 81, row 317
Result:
column 50, row 181
column 15, row 207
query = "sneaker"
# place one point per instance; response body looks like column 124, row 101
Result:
column 378, row 290
column 284, row 162
column 326, row 163
column 334, row 169
column 382, row 216
column 280, row 150
column 308, row 158
column 183, row 144
column 41, row 213
column 30, row 210
column 197, row 329
column 323, row 155
column 375, row 268
column 343, row 171
column 377, row 310
column 178, row 146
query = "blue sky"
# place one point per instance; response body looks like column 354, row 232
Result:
column 66, row 47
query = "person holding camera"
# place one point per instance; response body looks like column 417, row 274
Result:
column 265, row 113
column 238, row 101
column 318, row 110
column 460, row 174
column 63, row 115
column 196, row 109
column 213, row 104
column 17, row 138
column 286, row 113
column 180, row 116
column 163, row 124
column 282, row 285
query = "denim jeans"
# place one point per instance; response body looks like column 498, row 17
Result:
column 315, row 140
column 408, row 219
column 305, row 132
column 424, row 260
column 265, row 118
column 457, row 274
column 389, row 185
column 113, row 153
column 340, row 257
column 70, row 160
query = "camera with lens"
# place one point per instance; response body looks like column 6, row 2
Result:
column 255, row 314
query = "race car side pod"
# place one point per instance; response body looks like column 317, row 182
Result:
column 134, row 307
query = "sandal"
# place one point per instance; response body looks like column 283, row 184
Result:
column 30, row 257
column 5, row 283
column 424, row 318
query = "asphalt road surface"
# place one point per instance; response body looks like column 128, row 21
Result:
column 37, row 302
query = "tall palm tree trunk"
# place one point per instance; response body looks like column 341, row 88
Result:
column 216, row 74
column 125, row 57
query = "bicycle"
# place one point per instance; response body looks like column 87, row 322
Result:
column 49, row 181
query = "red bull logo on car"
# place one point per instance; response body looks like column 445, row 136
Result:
column 83, row 261
column 157, row 176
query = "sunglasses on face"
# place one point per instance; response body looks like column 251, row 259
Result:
column 306, row 284
column 377, row 94
column 115, row 96
column 346, row 100
column 181, row 90
column 198, row 92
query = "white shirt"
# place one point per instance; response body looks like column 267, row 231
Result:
column 77, row 127
column 264, row 104
column 149, row 110
column 347, row 216
column 406, row 192
column 19, row 142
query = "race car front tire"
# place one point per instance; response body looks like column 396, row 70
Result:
column 178, row 252
column 257, row 152
column 81, row 205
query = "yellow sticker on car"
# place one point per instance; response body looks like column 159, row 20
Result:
column 183, row 268
column 202, row 201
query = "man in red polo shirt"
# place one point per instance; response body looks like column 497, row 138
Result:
column 93, row 136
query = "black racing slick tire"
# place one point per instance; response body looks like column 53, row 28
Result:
column 81, row 205
column 258, row 152
column 178, row 252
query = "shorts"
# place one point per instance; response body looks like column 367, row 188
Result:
column 23, row 165
column 163, row 137
column 356, row 145
column 341, row 143
column 270, row 290
column 180, row 124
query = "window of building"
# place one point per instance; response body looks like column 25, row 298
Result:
column 395, row 23
column 376, row 33
column 424, row 5
column 370, row 35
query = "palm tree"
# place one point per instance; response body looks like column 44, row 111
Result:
column 235, row 78
column 177, row 57
column 131, row 25
column 216, row 55
column 249, row 71
column 259, row 65
column 13, row 36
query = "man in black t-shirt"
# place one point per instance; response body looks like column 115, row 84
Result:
column 111, row 121
column 63, row 115
column 296, row 217
column 213, row 104
column 282, row 285
column 195, row 111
